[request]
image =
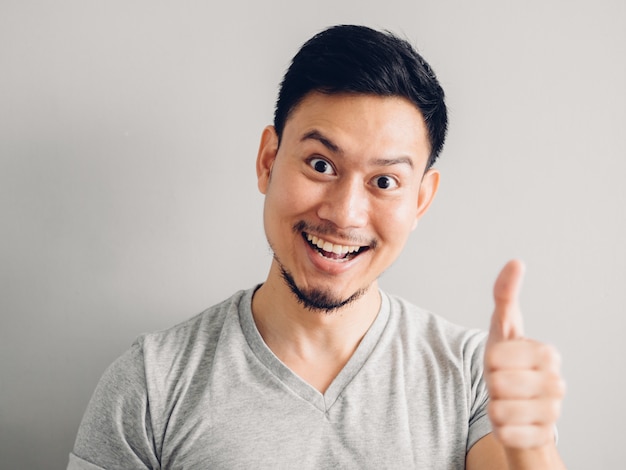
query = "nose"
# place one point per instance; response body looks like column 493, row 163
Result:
column 345, row 204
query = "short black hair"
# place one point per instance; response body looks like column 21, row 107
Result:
column 361, row 60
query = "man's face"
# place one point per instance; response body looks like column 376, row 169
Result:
column 343, row 192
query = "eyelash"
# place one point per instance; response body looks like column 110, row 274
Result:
column 312, row 162
column 391, row 178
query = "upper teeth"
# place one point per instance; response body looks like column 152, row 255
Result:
column 330, row 247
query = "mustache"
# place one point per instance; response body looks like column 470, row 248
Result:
column 330, row 229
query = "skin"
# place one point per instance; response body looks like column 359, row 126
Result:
column 351, row 169
column 525, row 388
column 361, row 138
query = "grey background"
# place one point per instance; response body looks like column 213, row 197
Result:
column 128, row 200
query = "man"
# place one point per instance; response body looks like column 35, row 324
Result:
column 316, row 367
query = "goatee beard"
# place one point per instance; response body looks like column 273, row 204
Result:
column 317, row 300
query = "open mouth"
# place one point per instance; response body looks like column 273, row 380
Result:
column 332, row 251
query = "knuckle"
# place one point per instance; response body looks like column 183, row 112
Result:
column 550, row 356
column 555, row 386
column 554, row 410
column 558, row 387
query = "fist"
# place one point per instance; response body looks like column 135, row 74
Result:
column 522, row 376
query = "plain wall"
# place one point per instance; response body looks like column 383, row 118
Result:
column 128, row 199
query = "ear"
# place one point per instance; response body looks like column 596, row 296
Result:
column 427, row 191
column 268, row 148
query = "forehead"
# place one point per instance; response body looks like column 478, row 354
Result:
column 363, row 124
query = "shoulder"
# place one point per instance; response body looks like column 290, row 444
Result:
column 155, row 362
column 416, row 324
column 445, row 360
column 186, row 349
column 201, row 330
column 452, row 356
column 150, row 353
column 133, row 399
column 435, row 343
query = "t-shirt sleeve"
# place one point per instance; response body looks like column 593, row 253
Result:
column 116, row 430
column 479, row 423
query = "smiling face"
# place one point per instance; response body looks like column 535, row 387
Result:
column 342, row 193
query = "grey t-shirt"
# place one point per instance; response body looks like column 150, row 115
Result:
column 209, row 393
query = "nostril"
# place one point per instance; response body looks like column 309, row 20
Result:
column 346, row 208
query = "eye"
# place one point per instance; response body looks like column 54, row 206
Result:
column 321, row 166
column 385, row 182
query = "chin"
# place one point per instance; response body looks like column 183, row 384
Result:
column 319, row 300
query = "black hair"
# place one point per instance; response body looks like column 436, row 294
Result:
column 361, row 60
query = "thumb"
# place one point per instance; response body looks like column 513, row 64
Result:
column 506, row 321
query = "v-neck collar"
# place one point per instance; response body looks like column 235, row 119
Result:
column 324, row 401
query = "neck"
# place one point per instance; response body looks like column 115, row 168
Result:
column 314, row 344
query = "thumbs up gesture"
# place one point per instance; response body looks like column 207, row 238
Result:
column 522, row 375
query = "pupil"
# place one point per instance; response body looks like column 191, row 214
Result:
column 383, row 182
column 320, row 166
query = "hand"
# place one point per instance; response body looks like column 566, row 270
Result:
column 522, row 375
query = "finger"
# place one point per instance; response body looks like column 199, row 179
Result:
column 525, row 436
column 522, row 354
column 524, row 412
column 525, row 385
column 506, row 321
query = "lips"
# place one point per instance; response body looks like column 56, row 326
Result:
column 332, row 250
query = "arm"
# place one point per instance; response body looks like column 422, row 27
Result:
column 116, row 430
column 525, row 389
column 489, row 454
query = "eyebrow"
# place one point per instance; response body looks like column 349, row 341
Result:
column 325, row 141
column 333, row 147
column 392, row 161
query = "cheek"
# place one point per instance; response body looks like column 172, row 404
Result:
column 289, row 193
column 287, row 200
column 396, row 222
